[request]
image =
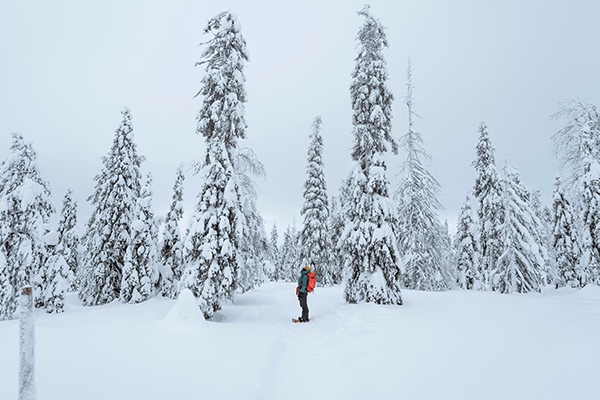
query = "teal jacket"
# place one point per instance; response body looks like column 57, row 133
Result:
column 303, row 281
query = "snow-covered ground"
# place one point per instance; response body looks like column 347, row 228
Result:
column 449, row 345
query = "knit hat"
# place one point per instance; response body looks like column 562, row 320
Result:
column 307, row 268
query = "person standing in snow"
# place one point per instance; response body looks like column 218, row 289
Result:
column 302, row 292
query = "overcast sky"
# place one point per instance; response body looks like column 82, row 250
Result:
column 69, row 67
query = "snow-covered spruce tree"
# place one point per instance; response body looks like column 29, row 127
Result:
column 448, row 253
column 25, row 208
column 140, row 271
column 274, row 251
column 564, row 239
column 290, row 255
column 253, row 243
column 589, row 191
column 520, row 265
column 578, row 146
column 108, row 231
column 467, row 273
column 40, row 280
column 286, row 255
column 548, row 221
column 488, row 197
column 315, row 248
column 544, row 215
column 420, row 233
column 171, row 249
column 68, row 238
column 212, row 241
column 372, row 262
column 336, row 228
column 57, row 278
column 8, row 290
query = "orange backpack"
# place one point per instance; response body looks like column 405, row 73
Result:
column 312, row 281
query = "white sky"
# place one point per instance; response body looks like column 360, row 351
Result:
column 69, row 67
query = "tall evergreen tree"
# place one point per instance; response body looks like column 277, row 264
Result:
column 140, row 272
column 315, row 248
column 420, row 233
column 369, row 240
column 8, row 288
column 286, row 254
column 544, row 215
column 275, row 256
column 108, row 231
column 213, row 239
column 578, row 146
column 565, row 240
column 57, row 273
column 253, row 244
column 171, row 250
column 25, row 207
column 448, row 254
column 467, row 273
column 336, row 228
column 520, row 265
column 290, row 255
column 487, row 193
column 68, row 236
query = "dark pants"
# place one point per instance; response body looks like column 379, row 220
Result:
column 304, row 305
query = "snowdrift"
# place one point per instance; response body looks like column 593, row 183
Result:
column 185, row 316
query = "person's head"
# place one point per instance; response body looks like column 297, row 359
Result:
column 306, row 268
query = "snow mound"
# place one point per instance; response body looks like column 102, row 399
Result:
column 185, row 316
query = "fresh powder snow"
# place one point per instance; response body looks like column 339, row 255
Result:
column 439, row 345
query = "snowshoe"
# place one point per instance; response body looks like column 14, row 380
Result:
column 299, row 320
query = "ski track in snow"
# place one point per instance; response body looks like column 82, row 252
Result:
column 451, row 345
